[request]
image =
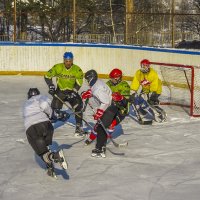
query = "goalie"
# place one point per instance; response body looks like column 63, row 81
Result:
column 148, row 79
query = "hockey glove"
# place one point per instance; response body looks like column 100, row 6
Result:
column 116, row 96
column 71, row 95
column 63, row 116
column 60, row 115
column 133, row 97
column 98, row 114
column 86, row 94
column 52, row 89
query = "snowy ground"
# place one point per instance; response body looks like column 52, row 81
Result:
column 162, row 161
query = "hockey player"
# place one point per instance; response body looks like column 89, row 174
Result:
column 39, row 130
column 69, row 78
column 148, row 78
column 118, row 85
column 105, row 113
column 118, row 88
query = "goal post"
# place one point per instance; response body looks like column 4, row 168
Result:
column 181, row 86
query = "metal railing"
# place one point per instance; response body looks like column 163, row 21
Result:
column 5, row 38
column 162, row 39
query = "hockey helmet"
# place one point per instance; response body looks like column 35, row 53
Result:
column 91, row 76
column 68, row 55
column 145, row 66
column 115, row 73
column 33, row 92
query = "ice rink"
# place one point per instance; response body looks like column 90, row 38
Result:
column 161, row 162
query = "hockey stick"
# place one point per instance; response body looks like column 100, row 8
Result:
column 85, row 105
column 109, row 136
column 73, row 111
column 137, row 114
column 115, row 144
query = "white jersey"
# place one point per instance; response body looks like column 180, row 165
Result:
column 36, row 109
column 102, row 93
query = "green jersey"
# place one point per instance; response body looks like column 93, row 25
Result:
column 123, row 87
column 66, row 79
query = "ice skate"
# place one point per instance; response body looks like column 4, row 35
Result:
column 59, row 157
column 79, row 132
column 99, row 152
column 51, row 171
column 88, row 141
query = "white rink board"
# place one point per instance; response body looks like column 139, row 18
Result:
column 102, row 57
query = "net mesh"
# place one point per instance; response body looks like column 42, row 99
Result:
column 181, row 86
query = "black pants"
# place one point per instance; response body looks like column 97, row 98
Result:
column 153, row 99
column 109, row 115
column 74, row 100
column 40, row 136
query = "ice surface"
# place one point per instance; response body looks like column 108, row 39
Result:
column 162, row 161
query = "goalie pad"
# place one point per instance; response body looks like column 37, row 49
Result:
column 142, row 105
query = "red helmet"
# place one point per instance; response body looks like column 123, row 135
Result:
column 145, row 66
column 115, row 73
column 144, row 62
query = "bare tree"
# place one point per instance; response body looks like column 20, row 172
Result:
column 191, row 22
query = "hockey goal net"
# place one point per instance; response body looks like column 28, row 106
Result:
column 181, row 86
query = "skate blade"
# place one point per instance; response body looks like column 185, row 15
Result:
column 78, row 136
column 64, row 164
column 53, row 175
column 98, row 156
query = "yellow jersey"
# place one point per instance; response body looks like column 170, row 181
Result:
column 150, row 82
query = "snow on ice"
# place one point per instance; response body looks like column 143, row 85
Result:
column 161, row 162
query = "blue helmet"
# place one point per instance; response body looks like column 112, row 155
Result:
column 68, row 55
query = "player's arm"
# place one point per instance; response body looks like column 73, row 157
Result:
column 48, row 79
column 79, row 80
column 136, row 82
column 50, row 74
column 45, row 105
